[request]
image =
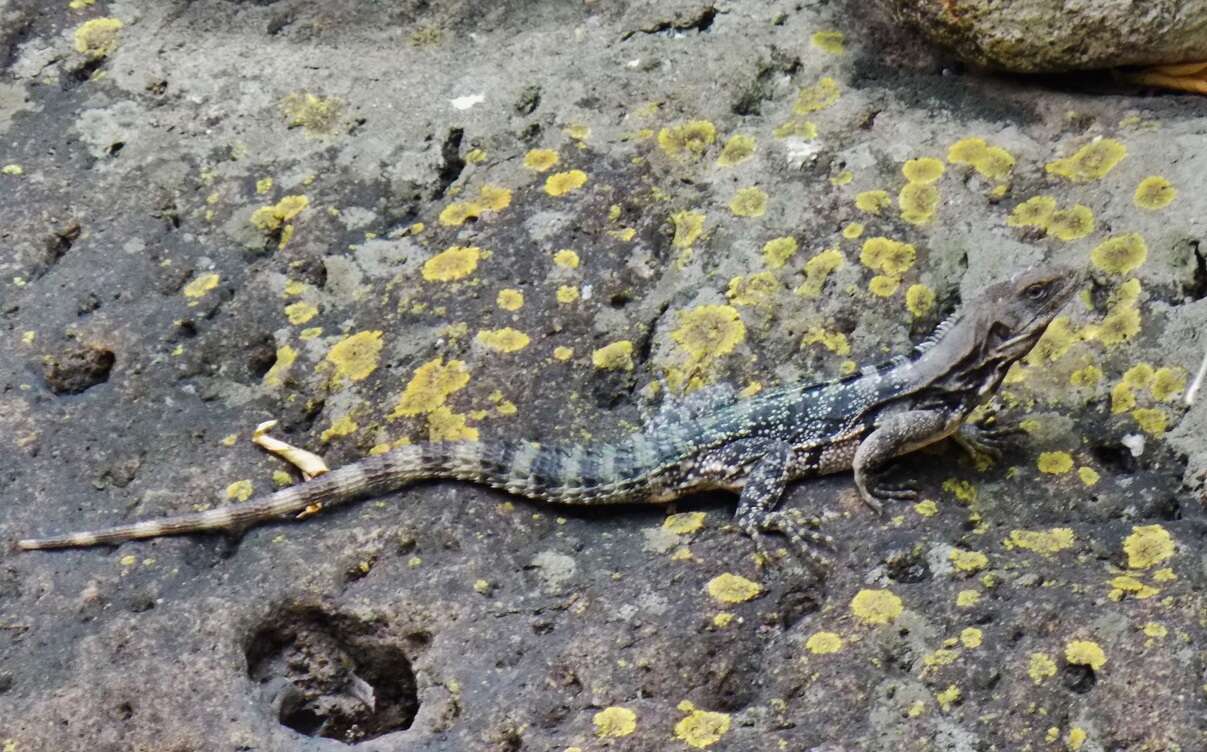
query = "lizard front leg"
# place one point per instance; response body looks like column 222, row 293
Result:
column 764, row 472
column 894, row 435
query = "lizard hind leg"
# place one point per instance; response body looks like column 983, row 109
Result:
column 762, row 490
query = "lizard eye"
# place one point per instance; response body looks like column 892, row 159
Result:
column 1037, row 291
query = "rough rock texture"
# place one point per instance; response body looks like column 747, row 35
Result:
column 1038, row 36
column 220, row 213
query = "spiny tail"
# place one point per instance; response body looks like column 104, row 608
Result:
column 570, row 474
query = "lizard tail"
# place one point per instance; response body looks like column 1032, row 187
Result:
column 567, row 474
column 372, row 475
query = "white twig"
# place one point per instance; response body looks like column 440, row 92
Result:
column 1198, row 381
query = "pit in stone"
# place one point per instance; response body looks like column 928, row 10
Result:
column 332, row 675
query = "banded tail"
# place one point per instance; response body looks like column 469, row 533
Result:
column 567, row 474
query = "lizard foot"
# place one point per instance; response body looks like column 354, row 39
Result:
column 810, row 545
column 989, row 441
column 903, row 491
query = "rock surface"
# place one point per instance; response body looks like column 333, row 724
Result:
column 1048, row 36
column 378, row 222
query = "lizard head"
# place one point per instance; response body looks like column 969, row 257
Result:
column 1020, row 309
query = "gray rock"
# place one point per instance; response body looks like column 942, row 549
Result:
column 1038, row 36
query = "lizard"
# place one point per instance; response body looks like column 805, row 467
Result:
column 712, row 439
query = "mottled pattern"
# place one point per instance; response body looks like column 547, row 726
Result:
column 712, row 439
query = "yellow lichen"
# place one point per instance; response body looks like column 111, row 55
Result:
column 706, row 333
column 300, row 312
column 777, row 251
column 240, row 490
column 835, row 342
column 317, row 116
column 1091, row 162
column 201, row 285
column 272, row 218
column 883, row 286
column 1167, row 384
column 830, row 42
column 732, row 588
column 971, row 637
column 919, row 300
column 701, row 728
column 617, row 356
column 963, row 490
column 562, row 353
column 796, row 128
column 1088, row 475
column 430, row 386
column 967, row 598
column 1054, row 463
column 824, row 643
column 817, row 270
column 1040, row 666
column 968, row 561
column 1126, row 585
column 927, row 508
column 1075, row 739
column 1036, row 211
column 817, row 97
column 1147, row 546
column 453, row 263
column 948, row 697
column 886, row 255
column 918, row 202
column 689, row 226
column 505, row 340
column 749, row 202
column 615, row 721
column 1085, row 653
column 1156, row 630
column 344, row 425
column 1044, row 542
column 354, row 357
column 97, row 38
column 561, row 183
column 853, row 230
column 541, row 160
column 493, row 198
column 1087, row 376
column 876, row 606
column 992, row 162
column 510, row 299
column 684, row 523
column 757, row 289
column 1151, row 420
column 286, row 356
column 1119, row 325
column 567, row 294
column 1154, row 193
column 873, row 202
column 690, row 139
column 445, row 425
column 1120, row 254
column 566, row 259
column 1073, row 223
column 922, row 170
column 737, row 149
